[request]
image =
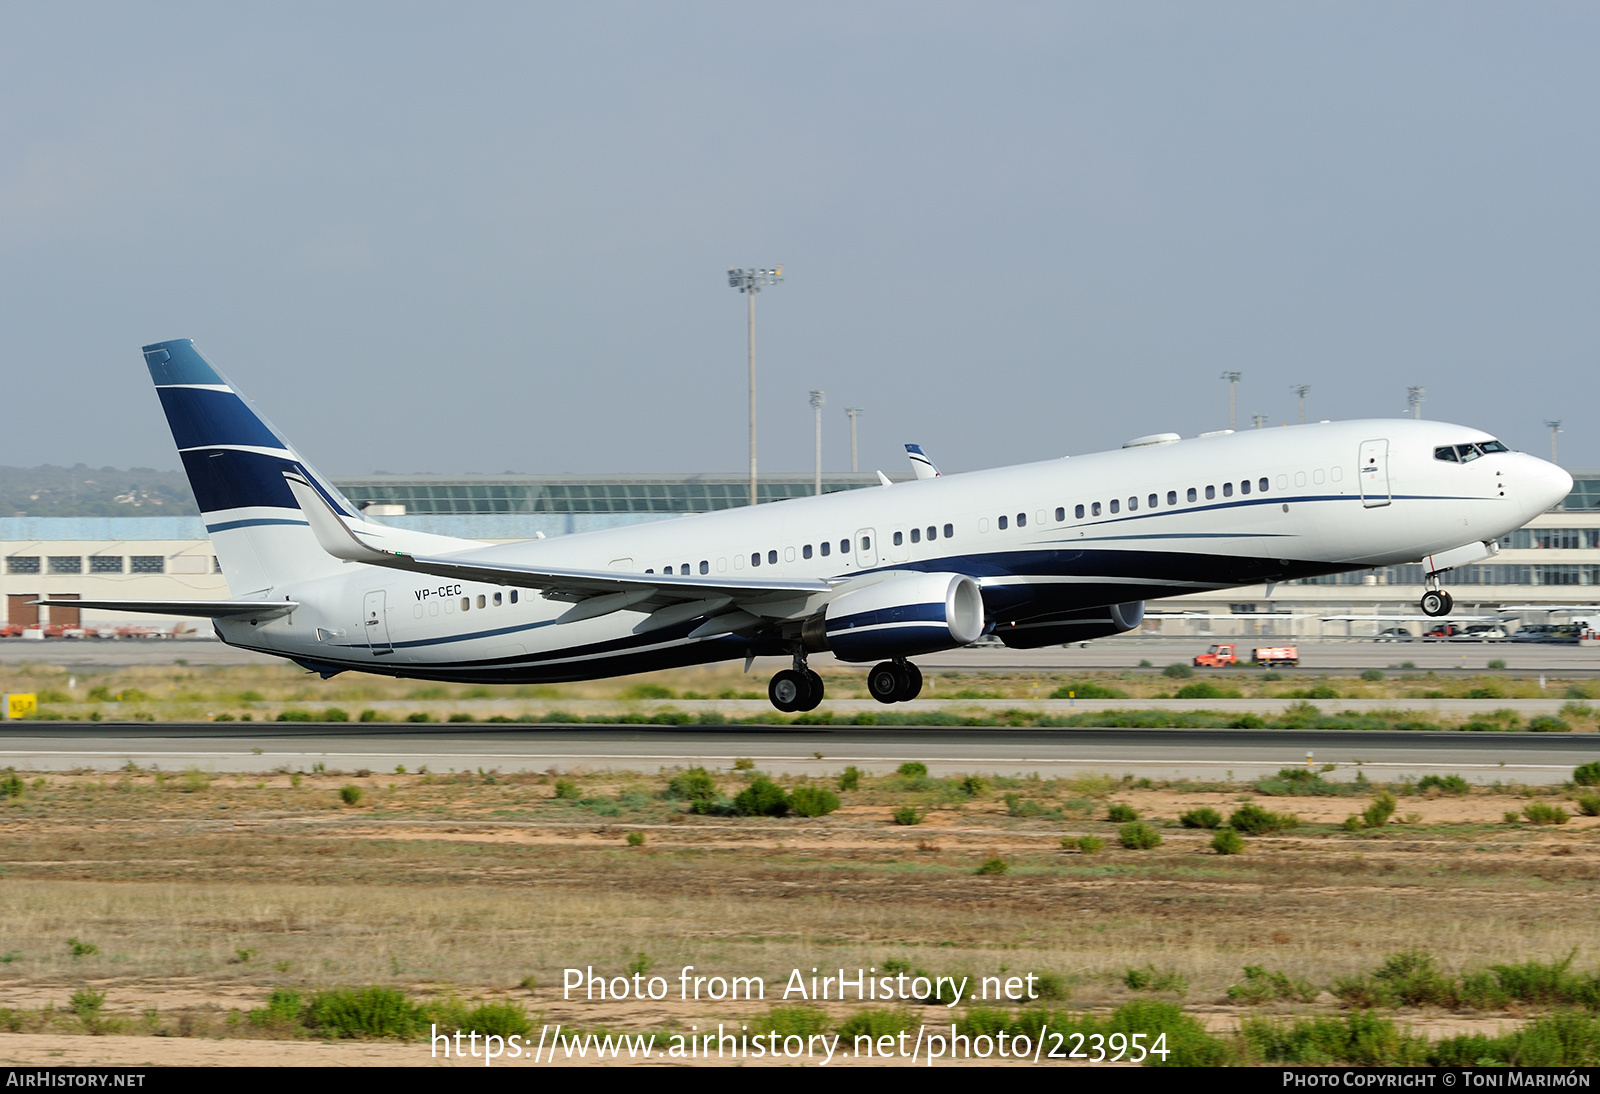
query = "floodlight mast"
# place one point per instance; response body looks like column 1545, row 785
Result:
column 751, row 282
column 1414, row 400
column 853, row 411
column 1301, row 390
column 1555, row 427
column 817, row 399
column 1233, row 386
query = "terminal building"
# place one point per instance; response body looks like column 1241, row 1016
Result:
column 1548, row 571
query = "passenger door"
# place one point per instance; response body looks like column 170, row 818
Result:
column 1373, row 471
column 375, row 623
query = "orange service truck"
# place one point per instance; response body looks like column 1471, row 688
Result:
column 1218, row 656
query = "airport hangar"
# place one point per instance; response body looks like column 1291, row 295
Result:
column 1552, row 564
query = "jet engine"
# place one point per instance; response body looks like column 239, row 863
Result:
column 901, row 616
column 1058, row 630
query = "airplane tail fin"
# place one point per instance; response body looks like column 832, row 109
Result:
column 235, row 461
column 920, row 463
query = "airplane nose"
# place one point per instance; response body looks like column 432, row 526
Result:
column 1544, row 485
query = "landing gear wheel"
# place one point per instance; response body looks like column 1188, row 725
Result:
column 1449, row 603
column 886, row 682
column 913, row 681
column 789, row 691
column 814, row 695
column 1435, row 603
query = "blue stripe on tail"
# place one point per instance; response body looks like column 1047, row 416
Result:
column 200, row 417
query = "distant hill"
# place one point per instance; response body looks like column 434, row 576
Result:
column 94, row 492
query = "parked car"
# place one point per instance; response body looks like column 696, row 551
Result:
column 1442, row 630
column 1483, row 632
column 1394, row 634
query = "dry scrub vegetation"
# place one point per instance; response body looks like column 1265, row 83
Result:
column 179, row 903
column 276, row 692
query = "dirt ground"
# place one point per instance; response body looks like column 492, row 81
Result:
column 186, row 899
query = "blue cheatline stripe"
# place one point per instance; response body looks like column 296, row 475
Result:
column 226, row 479
column 254, row 522
column 1275, row 499
column 178, row 362
column 201, row 417
column 908, row 613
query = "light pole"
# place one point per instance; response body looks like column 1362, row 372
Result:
column 855, row 464
column 817, row 399
column 1233, row 384
column 1555, row 427
column 1414, row 400
column 1260, row 420
column 1301, row 390
column 751, row 282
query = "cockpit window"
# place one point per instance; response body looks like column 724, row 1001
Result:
column 1466, row 453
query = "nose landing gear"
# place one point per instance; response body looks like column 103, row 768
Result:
column 795, row 689
column 894, row 681
column 1435, row 601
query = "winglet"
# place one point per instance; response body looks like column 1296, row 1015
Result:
column 333, row 534
column 920, row 462
column 884, row 479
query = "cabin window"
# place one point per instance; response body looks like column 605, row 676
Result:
column 772, row 558
column 1299, row 478
column 866, row 543
column 788, row 554
column 933, row 533
column 1094, row 509
column 667, row 570
column 497, row 600
column 1133, row 505
column 755, row 558
column 1211, row 492
column 1151, row 500
column 684, row 569
column 949, row 530
column 827, row 548
column 466, row 603
column 1317, row 476
column 649, row 570
column 1244, row 487
column 1077, row 512
column 805, row 552
column 705, row 565
column 1262, row 484
column 899, row 538
column 1001, row 524
column 916, row 535
column 513, row 596
column 1227, row 489
column 1022, row 520
column 1192, row 495
column 1061, row 514
column 481, row 601
column 1172, row 497
column 844, row 546
column 1114, row 505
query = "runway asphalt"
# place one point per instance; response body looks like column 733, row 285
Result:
column 1156, row 753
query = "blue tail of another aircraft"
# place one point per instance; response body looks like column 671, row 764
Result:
column 235, row 461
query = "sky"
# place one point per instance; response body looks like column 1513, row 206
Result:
column 447, row 238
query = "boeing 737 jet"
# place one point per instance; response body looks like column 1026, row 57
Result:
column 1039, row 554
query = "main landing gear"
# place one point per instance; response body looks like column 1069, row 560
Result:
column 894, row 681
column 1435, row 601
column 795, row 689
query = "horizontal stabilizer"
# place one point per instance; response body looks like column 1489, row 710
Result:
column 199, row 609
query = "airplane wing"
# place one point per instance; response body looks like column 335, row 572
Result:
column 200, row 609
column 595, row 592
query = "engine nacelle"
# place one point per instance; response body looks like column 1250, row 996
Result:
column 1058, row 630
column 901, row 616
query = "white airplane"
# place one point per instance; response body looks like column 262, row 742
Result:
column 1038, row 554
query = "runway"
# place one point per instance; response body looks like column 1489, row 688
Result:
column 1205, row 754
